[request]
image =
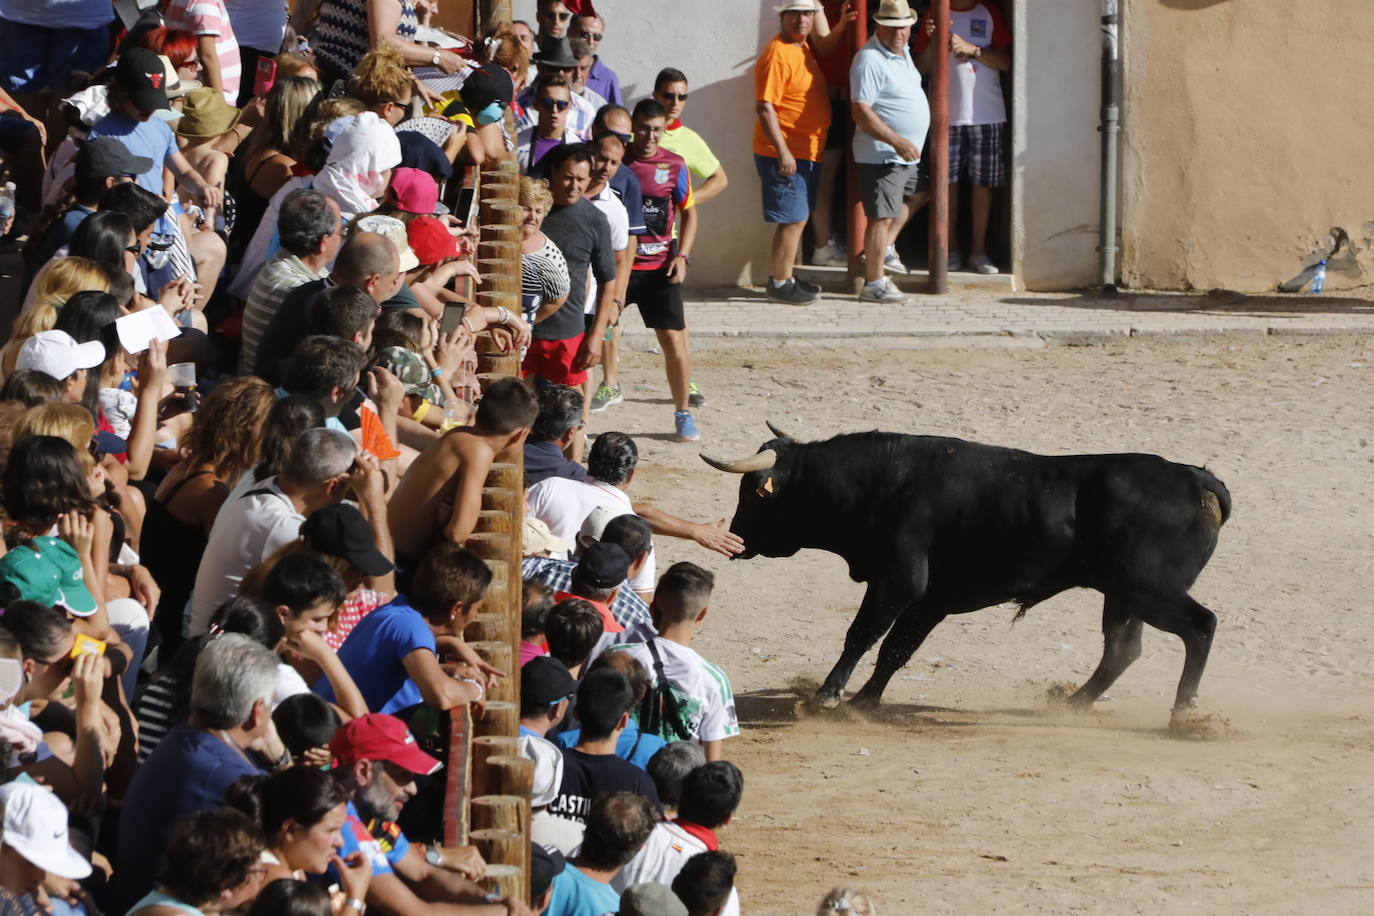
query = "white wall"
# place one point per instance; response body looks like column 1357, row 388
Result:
column 714, row 42
column 1056, row 143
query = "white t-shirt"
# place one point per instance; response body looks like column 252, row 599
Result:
column 289, row 684
column 662, row 857
column 975, row 91
column 246, row 532
column 564, row 505
column 608, row 203
column 705, row 696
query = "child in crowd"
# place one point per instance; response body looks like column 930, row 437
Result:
column 536, row 603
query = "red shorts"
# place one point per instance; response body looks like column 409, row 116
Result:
column 553, row 360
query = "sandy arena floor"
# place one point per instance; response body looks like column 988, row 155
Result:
column 968, row 794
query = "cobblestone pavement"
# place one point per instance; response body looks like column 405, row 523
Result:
column 999, row 317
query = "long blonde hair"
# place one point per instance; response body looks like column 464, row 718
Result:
column 55, row 284
column 71, row 422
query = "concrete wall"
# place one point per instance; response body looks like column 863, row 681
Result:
column 1056, row 100
column 1246, row 141
column 715, row 43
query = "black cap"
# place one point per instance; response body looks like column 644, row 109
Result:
column 556, row 52
column 106, row 157
column 140, row 73
column 341, row 531
column 486, row 85
column 603, row 565
column 545, row 865
column 544, row 680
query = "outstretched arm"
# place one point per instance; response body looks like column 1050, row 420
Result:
column 713, row 535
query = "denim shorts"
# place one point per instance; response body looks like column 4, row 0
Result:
column 34, row 58
column 788, row 199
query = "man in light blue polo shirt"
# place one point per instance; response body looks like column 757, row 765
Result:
column 891, row 116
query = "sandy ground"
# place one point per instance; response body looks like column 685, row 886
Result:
column 967, row 793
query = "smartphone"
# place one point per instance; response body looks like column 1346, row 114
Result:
column 266, row 76
column 453, row 317
column 87, row 645
column 463, row 208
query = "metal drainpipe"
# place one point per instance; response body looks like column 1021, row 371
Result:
column 1111, row 129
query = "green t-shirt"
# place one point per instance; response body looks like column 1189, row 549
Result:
column 688, row 144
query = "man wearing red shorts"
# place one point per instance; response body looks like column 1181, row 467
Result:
column 561, row 352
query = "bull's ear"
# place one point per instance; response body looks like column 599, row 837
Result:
column 765, row 489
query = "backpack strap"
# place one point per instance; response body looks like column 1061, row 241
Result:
column 672, row 711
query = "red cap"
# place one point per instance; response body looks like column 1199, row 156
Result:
column 414, row 191
column 430, row 240
column 380, row 737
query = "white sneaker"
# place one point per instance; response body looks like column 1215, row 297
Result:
column 830, row 255
column 983, row 264
column 955, row 262
column 882, row 290
column 891, row 262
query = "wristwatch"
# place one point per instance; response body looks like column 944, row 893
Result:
column 435, row 59
column 433, row 856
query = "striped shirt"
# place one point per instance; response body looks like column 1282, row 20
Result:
column 628, row 609
column 210, row 17
column 278, row 277
column 342, row 37
column 543, row 278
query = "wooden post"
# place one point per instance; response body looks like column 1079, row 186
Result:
column 456, row 777
column 489, row 626
column 858, row 222
column 498, row 812
column 939, row 153
column 499, row 656
column 505, row 881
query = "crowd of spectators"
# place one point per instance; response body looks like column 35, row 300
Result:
column 243, row 442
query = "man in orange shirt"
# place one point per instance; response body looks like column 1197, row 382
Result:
column 793, row 115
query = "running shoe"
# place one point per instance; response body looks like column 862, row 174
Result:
column 983, row 264
column 892, row 262
column 830, row 255
column 955, row 262
column 881, row 291
column 606, row 396
column 694, row 396
column 686, row 427
column 811, row 289
column 789, row 293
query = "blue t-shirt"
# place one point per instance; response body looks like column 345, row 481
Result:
column 189, row 771
column 374, row 653
column 151, row 138
column 574, row 894
column 625, row 184
column 632, row 745
column 892, row 87
column 382, row 853
column 59, row 14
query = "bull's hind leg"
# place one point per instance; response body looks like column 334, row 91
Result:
column 883, row 602
column 1120, row 646
column 1195, row 625
column 905, row 637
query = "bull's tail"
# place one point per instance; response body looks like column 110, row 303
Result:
column 1216, row 499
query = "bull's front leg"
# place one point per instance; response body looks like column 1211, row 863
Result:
column 884, row 601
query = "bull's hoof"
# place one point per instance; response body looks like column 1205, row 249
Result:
column 866, row 702
column 1187, row 722
column 826, row 699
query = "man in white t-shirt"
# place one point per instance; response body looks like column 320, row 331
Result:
column 710, row 795
column 979, row 49
column 564, row 505
column 250, row 529
column 701, row 705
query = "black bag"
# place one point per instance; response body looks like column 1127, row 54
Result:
column 660, row 713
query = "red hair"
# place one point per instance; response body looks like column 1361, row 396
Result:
column 178, row 46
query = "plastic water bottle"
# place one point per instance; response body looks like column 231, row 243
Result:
column 6, row 202
column 1319, row 278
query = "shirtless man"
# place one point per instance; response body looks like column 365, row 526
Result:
column 441, row 494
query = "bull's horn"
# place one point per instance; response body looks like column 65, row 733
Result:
column 760, row 462
column 773, row 428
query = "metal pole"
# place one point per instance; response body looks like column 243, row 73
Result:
column 1111, row 129
column 858, row 223
column 939, row 152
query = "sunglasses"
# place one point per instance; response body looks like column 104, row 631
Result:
column 561, row 17
column 135, row 248
column 675, row 96
column 623, row 138
column 592, row 36
column 554, row 104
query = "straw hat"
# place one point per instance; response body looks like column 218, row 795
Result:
column 798, row 6
column 206, row 115
column 895, row 14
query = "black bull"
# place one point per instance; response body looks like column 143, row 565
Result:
column 940, row 526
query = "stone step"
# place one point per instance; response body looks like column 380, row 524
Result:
column 836, row 279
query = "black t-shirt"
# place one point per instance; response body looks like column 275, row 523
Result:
column 585, row 776
column 288, row 326
column 581, row 232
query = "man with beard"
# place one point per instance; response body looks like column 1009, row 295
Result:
column 377, row 761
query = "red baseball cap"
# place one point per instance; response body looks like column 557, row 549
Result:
column 380, row 737
column 430, row 240
column 414, row 191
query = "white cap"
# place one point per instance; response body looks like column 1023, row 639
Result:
column 395, row 232
column 55, row 353
column 536, row 537
column 91, row 104
column 799, row 6
column 36, row 828
column 594, row 525
column 548, row 768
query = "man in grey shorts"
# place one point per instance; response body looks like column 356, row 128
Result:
column 891, row 116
